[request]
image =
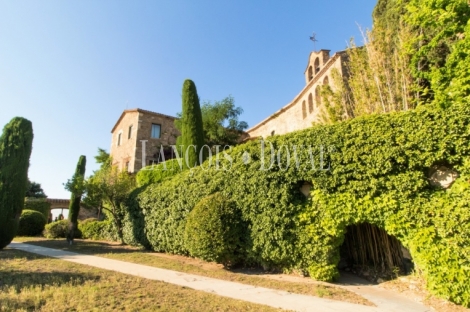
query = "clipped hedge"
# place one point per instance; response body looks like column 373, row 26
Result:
column 31, row 223
column 378, row 174
column 214, row 229
column 59, row 229
column 38, row 204
column 98, row 230
column 160, row 172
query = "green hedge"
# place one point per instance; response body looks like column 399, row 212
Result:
column 213, row 231
column 59, row 229
column 98, row 230
column 38, row 204
column 379, row 167
column 31, row 223
column 160, row 172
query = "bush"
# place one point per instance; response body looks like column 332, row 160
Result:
column 368, row 170
column 59, row 229
column 38, row 204
column 15, row 150
column 214, row 230
column 31, row 223
column 160, row 172
column 98, row 230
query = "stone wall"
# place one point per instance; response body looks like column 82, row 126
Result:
column 306, row 108
column 168, row 135
column 123, row 152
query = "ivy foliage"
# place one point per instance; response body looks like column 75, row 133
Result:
column 370, row 169
column 160, row 172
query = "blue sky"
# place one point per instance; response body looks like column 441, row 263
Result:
column 72, row 67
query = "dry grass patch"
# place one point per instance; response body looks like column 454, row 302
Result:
column 31, row 282
column 178, row 263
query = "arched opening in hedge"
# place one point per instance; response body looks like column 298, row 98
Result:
column 370, row 251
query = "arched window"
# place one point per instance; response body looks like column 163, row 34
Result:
column 310, row 73
column 326, row 80
column 310, row 103
column 304, row 110
column 317, row 65
column 317, row 96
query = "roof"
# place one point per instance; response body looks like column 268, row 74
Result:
column 140, row 111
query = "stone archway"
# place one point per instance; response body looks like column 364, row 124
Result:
column 85, row 212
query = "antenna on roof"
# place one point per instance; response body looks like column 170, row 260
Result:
column 314, row 39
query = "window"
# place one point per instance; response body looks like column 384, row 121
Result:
column 310, row 103
column 130, row 132
column 155, row 131
column 317, row 96
column 127, row 166
column 310, row 73
column 304, row 110
column 317, row 65
column 119, row 139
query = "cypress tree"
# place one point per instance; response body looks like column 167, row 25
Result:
column 191, row 124
column 76, row 197
column 15, row 150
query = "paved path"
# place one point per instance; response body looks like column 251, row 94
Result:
column 260, row 295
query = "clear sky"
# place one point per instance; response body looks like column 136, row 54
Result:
column 72, row 67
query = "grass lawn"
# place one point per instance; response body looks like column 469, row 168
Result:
column 31, row 282
column 194, row 266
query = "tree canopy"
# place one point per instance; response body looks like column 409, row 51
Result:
column 34, row 190
column 220, row 122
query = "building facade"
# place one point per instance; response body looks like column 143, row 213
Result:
column 305, row 109
column 138, row 138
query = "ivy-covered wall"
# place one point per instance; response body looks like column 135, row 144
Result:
column 378, row 173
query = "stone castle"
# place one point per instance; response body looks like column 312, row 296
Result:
column 136, row 125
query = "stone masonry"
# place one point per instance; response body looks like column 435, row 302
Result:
column 306, row 107
column 135, row 126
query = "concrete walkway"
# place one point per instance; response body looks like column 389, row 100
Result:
column 260, row 295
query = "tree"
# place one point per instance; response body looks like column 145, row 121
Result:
column 15, row 151
column 108, row 188
column 192, row 135
column 77, row 187
column 220, row 122
column 34, row 190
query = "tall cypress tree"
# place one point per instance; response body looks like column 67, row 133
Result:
column 191, row 124
column 15, row 150
column 76, row 197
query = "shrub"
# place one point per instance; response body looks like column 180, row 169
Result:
column 368, row 170
column 98, row 230
column 214, row 230
column 38, row 204
column 160, row 172
column 59, row 229
column 15, row 150
column 31, row 223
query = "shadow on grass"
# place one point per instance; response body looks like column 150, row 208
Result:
column 82, row 246
column 19, row 279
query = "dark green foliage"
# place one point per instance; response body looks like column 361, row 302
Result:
column 59, row 229
column 34, row 190
column 15, row 150
column 98, row 230
column 38, row 204
column 220, row 122
column 160, row 172
column 378, row 176
column 191, row 124
column 76, row 197
column 214, row 230
column 31, row 223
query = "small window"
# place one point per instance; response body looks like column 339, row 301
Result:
column 304, row 110
column 317, row 96
column 130, row 132
column 310, row 73
column 127, row 166
column 155, row 131
column 119, row 139
column 273, row 132
column 310, row 103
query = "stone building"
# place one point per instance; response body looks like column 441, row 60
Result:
column 139, row 135
column 306, row 107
